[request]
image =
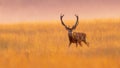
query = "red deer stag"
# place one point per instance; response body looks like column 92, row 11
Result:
column 74, row 37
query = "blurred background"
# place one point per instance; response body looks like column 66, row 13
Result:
column 49, row 10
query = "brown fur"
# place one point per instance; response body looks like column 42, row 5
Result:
column 78, row 38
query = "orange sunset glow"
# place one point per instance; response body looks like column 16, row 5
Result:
column 42, row 10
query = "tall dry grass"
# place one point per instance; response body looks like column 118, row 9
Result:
column 46, row 46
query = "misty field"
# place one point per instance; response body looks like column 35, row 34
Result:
column 45, row 45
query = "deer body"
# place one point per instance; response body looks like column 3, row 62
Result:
column 75, row 37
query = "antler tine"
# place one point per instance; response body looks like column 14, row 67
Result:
column 61, row 17
column 76, row 22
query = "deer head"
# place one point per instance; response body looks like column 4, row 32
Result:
column 68, row 28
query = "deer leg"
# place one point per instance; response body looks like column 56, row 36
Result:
column 76, row 44
column 86, row 43
column 69, row 44
column 80, row 43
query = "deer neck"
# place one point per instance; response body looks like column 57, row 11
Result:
column 70, row 34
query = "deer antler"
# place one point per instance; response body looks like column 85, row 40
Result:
column 76, row 22
column 61, row 17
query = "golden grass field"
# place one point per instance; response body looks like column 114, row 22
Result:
column 38, row 45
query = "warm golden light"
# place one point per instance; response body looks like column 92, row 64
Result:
column 46, row 45
column 32, row 35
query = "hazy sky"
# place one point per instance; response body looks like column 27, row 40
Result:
column 45, row 10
